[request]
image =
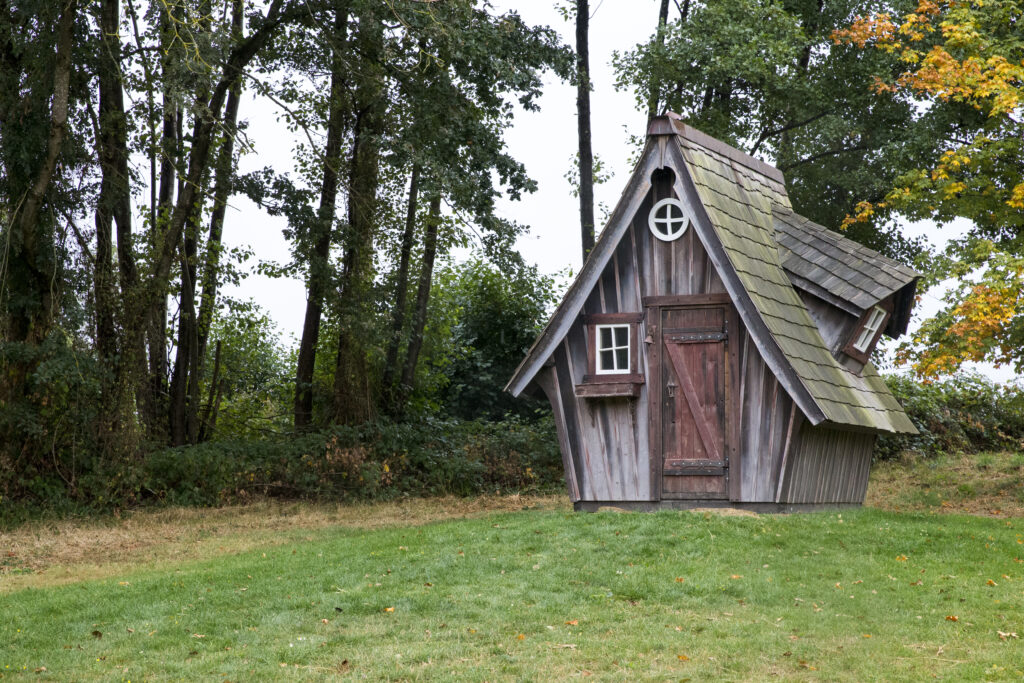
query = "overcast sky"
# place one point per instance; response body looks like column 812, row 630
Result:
column 545, row 141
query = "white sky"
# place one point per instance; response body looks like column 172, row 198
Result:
column 544, row 141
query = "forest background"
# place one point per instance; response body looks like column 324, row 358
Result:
column 136, row 366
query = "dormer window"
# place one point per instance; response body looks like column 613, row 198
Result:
column 870, row 330
column 613, row 349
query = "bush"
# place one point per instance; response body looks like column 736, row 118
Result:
column 965, row 414
column 375, row 460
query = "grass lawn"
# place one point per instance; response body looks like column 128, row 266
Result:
column 384, row 592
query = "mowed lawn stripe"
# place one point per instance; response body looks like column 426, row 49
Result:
column 545, row 595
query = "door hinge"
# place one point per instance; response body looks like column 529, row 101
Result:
column 694, row 337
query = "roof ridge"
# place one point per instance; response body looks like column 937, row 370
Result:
column 699, row 137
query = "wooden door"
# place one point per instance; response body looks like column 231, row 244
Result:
column 695, row 401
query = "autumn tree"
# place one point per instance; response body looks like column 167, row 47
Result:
column 968, row 57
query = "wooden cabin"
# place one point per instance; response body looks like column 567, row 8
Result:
column 714, row 349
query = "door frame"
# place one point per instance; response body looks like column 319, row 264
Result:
column 653, row 306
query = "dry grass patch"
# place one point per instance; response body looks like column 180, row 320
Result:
column 65, row 551
column 988, row 484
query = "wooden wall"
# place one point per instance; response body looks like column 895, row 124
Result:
column 768, row 418
column 827, row 466
column 605, row 441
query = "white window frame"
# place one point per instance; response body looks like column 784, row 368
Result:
column 613, row 348
column 655, row 222
column 870, row 330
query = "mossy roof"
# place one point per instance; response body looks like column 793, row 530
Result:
column 739, row 199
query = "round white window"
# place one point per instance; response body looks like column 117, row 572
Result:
column 667, row 220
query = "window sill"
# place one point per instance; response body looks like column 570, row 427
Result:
column 598, row 386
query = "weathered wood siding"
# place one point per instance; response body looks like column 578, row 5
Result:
column 670, row 268
column 835, row 324
column 606, row 437
column 768, row 417
column 827, row 466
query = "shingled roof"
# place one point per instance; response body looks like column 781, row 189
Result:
column 739, row 203
column 840, row 271
column 737, row 195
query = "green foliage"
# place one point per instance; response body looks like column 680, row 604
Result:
column 966, row 413
column 766, row 76
column 49, row 433
column 496, row 315
column 374, row 460
column 256, row 371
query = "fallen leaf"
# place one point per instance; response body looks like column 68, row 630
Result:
column 97, row 634
column 324, row 621
column 389, row 609
column 40, row 670
column 682, row 658
column 1003, row 635
column 130, row 630
column 572, row 623
column 990, row 582
column 901, row 558
column 198, row 635
column 952, row 617
column 736, row 576
column 521, row 637
column 867, row 635
column 680, row 579
column 565, row 646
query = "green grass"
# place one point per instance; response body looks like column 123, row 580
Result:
column 864, row 595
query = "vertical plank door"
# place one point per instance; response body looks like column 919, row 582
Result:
column 694, row 402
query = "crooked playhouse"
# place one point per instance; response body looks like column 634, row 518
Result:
column 714, row 349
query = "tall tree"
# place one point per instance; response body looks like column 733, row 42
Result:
column 319, row 275
column 353, row 401
column 586, row 153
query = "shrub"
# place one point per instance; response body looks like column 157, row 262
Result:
column 374, row 460
column 964, row 414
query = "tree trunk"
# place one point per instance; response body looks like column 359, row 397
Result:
column 352, row 400
column 209, row 417
column 419, row 321
column 586, row 154
column 114, row 206
column 223, row 170
column 653, row 95
column 156, row 405
column 31, row 318
column 180, row 425
column 319, row 266
column 401, row 292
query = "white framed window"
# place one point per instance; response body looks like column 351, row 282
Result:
column 668, row 220
column 613, row 349
column 870, row 329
